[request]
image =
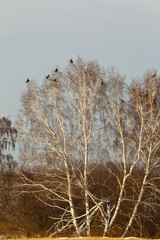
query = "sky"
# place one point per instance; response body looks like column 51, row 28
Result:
column 38, row 35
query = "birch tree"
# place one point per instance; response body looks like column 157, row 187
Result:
column 134, row 119
column 147, row 111
column 58, row 122
column 8, row 136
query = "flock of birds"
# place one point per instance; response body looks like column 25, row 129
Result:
column 71, row 61
column 56, row 70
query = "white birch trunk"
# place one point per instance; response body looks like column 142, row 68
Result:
column 138, row 201
column 85, row 180
column 153, row 128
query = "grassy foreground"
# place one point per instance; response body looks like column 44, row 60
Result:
column 83, row 238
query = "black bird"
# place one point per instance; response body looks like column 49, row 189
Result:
column 27, row 80
column 102, row 82
column 47, row 76
column 71, row 61
column 56, row 70
column 154, row 75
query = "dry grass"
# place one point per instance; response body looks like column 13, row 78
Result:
column 84, row 238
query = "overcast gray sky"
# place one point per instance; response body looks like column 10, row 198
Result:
column 38, row 35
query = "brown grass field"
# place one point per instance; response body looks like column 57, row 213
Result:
column 83, row 238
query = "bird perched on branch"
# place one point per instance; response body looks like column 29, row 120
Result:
column 47, row 76
column 56, row 70
column 154, row 75
column 27, row 80
column 71, row 61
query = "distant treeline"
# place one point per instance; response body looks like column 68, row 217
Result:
column 21, row 212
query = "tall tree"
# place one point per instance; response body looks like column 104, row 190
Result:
column 146, row 102
column 59, row 120
column 134, row 138
column 8, row 136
